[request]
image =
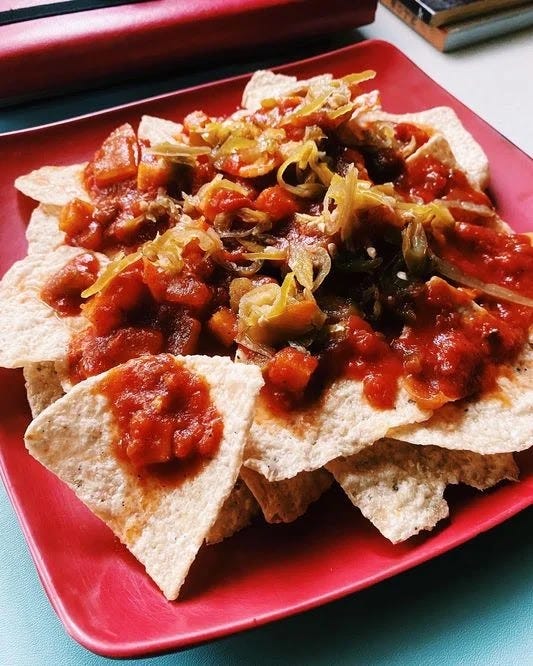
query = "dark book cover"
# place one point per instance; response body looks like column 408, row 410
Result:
column 463, row 33
column 443, row 12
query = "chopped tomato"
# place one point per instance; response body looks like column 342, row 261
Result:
column 226, row 201
column 372, row 361
column 152, row 174
column 182, row 288
column 182, row 331
column 78, row 221
column 223, row 325
column 404, row 132
column 90, row 354
column 63, row 290
column 108, row 309
column 203, row 173
column 290, row 370
column 277, row 203
column 76, row 216
column 116, row 160
column 164, row 412
column 429, row 178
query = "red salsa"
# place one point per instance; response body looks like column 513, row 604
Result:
column 62, row 291
column 379, row 316
column 163, row 410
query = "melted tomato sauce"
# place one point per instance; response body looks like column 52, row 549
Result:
column 452, row 349
column 427, row 178
column 363, row 354
column 164, row 412
column 492, row 256
column 63, row 290
column 429, row 335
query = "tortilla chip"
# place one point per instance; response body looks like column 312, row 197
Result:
column 279, row 447
column 343, row 423
column 155, row 130
column 265, row 84
column 469, row 154
column 285, row 501
column 499, row 422
column 43, row 233
column 163, row 526
column 30, row 330
column 437, row 147
column 55, row 185
column 236, row 513
column 399, row 487
column 43, row 386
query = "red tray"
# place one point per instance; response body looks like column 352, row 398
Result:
column 98, row 589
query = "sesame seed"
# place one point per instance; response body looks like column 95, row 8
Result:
column 402, row 275
column 371, row 251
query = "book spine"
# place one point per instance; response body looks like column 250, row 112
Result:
column 436, row 36
column 418, row 9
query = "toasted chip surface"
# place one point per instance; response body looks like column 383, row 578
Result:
column 344, row 422
column 43, row 385
column 278, row 447
column 55, row 185
column 399, row 487
column 163, row 525
column 285, row 501
column 156, row 130
column 236, row 513
column 43, row 233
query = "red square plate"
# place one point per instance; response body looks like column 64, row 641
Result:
column 99, row 591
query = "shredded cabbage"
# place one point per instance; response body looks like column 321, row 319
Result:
column 271, row 314
column 306, row 157
column 339, row 209
column 113, row 268
column 176, row 151
column 268, row 253
column 201, row 199
column 165, row 251
column 304, row 259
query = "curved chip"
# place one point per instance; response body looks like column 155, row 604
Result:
column 154, row 130
column 237, row 512
column 399, row 487
column 43, row 233
column 341, row 424
column 43, row 385
column 285, row 501
column 55, row 185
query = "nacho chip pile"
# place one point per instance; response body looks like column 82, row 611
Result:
column 219, row 318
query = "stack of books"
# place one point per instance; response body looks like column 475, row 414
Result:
column 452, row 24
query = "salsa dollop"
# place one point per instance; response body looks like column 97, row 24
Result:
column 164, row 412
